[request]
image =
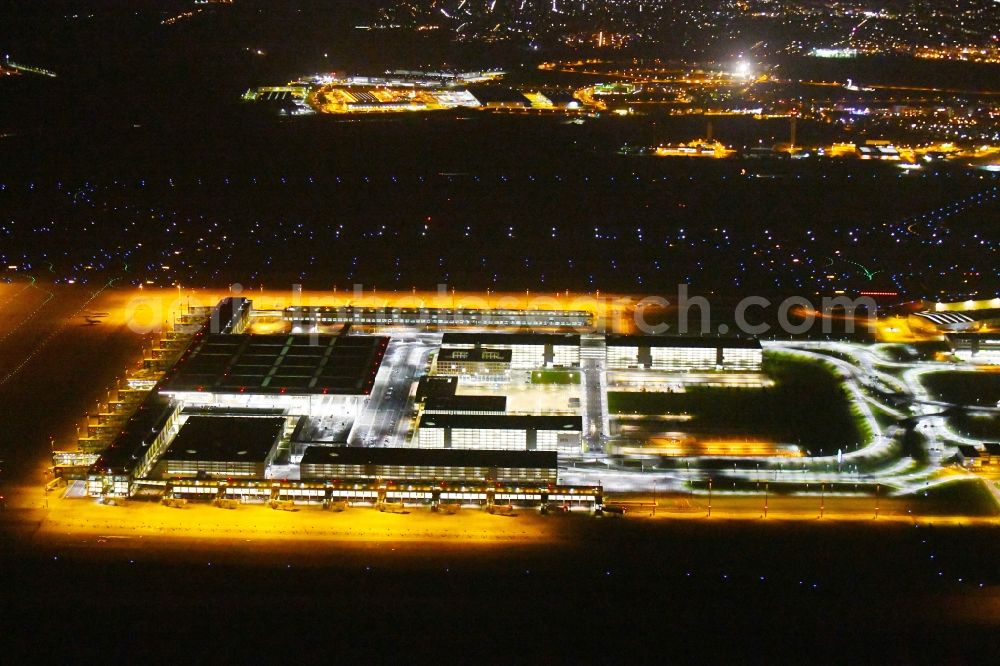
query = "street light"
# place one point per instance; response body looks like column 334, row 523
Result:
column 709, row 497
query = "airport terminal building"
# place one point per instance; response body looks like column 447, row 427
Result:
column 512, row 433
column 306, row 317
column 672, row 353
column 308, row 375
column 222, row 446
column 408, row 464
column 527, row 350
column 267, row 417
column 476, row 364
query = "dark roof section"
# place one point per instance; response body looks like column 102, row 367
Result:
column 567, row 423
column 452, row 355
column 207, row 410
column 344, row 455
column 499, row 95
column 992, row 448
column 968, row 451
column 294, row 364
column 510, row 339
column 679, row 341
column 984, row 315
column 561, row 98
column 227, row 314
column 139, row 433
column 437, row 386
column 467, row 403
column 993, row 337
column 225, row 439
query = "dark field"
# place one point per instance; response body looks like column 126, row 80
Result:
column 807, row 407
column 693, row 592
column 965, row 388
column 580, row 224
column 141, row 149
column 978, row 425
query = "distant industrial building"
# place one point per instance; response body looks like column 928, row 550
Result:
column 500, row 97
column 683, row 353
column 407, row 464
column 511, row 433
column 936, row 322
column 528, row 350
column 878, row 150
column 975, row 457
column 971, row 316
column 969, row 456
column 983, row 347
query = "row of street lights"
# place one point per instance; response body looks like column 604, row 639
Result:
column 822, row 498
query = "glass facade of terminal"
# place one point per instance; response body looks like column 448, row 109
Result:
column 497, row 439
column 682, row 358
column 428, row 472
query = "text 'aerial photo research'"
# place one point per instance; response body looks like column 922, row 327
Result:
column 500, row 331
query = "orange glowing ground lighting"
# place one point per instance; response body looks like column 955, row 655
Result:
column 686, row 446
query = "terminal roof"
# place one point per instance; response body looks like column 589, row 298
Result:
column 274, row 364
column 566, row 423
column 480, row 355
column 138, row 435
column 682, row 341
column 342, row 455
column 225, row 438
column 467, row 403
column 510, row 339
column 436, row 386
